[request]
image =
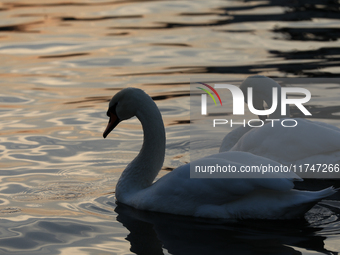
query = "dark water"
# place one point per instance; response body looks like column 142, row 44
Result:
column 61, row 63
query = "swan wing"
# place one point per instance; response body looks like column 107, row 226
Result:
column 288, row 145
column 177, row 193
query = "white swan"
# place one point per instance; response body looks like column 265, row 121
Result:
column 177, row 193
column 310, row 142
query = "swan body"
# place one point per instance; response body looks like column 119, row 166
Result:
column 310, row 142
column 177, row 193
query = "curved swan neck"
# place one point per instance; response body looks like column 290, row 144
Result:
column 263, row 92
column 142, row 171
column 277, row 114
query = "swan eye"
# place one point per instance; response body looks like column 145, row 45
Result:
column 111, row 110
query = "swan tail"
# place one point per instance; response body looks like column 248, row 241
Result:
column 326, row 192
column 314, row 197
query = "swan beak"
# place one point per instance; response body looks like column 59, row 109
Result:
column 113, row 122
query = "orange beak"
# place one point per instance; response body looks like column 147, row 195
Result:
column 113, row 122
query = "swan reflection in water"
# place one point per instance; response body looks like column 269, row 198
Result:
column 150, row 232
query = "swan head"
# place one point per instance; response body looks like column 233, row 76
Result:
column 262, row 93
column 123, row 105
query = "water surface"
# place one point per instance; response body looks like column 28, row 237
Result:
column 63, row 61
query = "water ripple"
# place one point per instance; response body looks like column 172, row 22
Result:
column 61, row 64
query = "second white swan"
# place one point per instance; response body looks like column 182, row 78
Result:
column 309, row 142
